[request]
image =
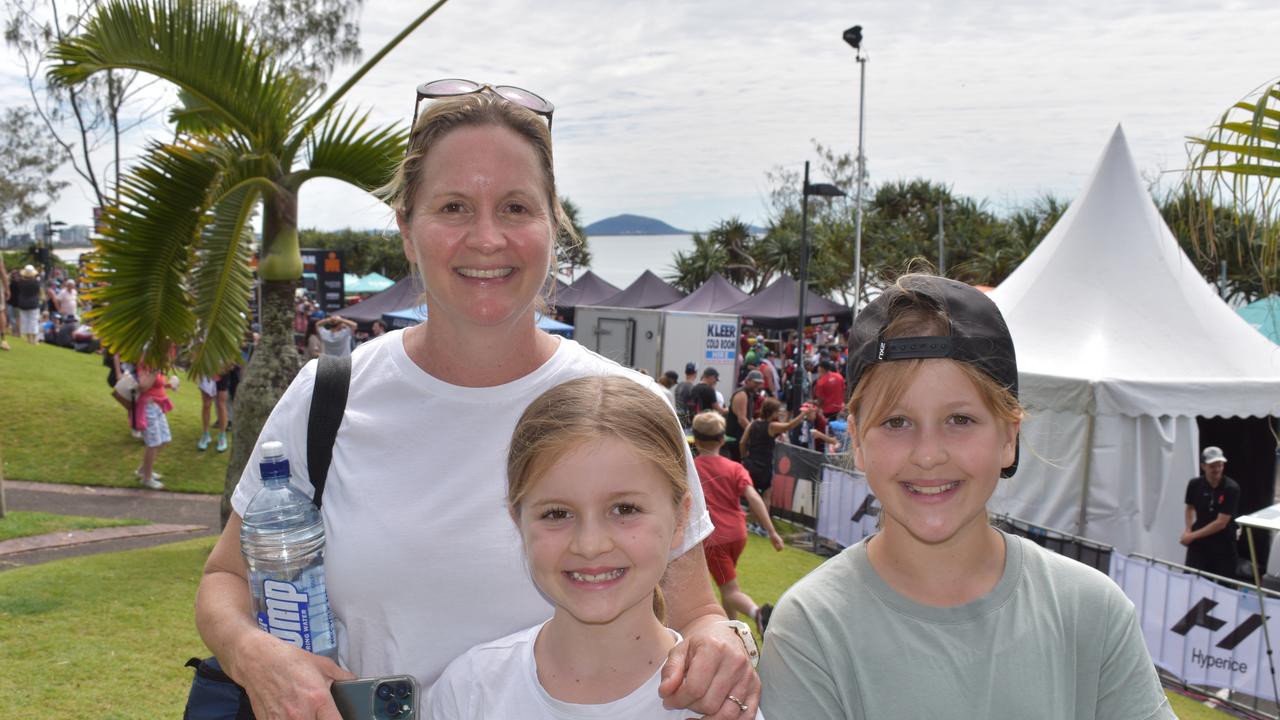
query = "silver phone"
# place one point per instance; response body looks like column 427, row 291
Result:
column 384, row 698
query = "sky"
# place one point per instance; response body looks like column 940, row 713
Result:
column 677, row 110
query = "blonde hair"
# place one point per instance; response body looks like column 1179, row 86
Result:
column 591, row 408
column 482, row 109
column 708, row 428
column 883, row 384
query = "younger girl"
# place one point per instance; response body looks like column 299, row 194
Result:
column 597, row 488
column 940, row 615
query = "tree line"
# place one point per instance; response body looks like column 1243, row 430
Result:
column 902, row 221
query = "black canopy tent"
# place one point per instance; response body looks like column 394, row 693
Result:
column 648, row 291
column 586, row 290
column 777, row 307
column 714, row 295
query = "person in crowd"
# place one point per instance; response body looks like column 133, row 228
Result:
column 726, row 484
column 684, row 394
column 813, row 430
column 939, row 614
column 597, row 484
column 4, row 306
column 118, row 370
column 668, row 382
column 150, row 418
column 66, row 300
column 337, row 335
column 744, row 402
column 769, row 369
column 1213, row 500
column 704, row 393
column 759, row 440
column 26, row 296
column 828, row 389
column 312, row 346
column 377, row 329
column 429, row 414
column 214, row 393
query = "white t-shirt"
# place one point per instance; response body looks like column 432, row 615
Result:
column 499, row 680
column 422, row 560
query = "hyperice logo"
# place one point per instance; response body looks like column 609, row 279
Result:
column 1199, row 616
column 867, row 508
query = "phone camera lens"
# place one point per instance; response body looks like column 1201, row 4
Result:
column 385, row 692
column 402, row 690
column 393, row 709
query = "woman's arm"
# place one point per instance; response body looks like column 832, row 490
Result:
column 282, row 681
column 711, row 663
column 776, row 428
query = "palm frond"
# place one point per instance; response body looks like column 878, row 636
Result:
column 346, row 149
column 141, row 304
column 205, row 48
column 222, row 281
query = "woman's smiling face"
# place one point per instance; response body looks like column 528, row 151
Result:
column 480, row 227
column 934, row 458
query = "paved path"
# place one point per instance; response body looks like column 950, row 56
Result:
column 174, row 516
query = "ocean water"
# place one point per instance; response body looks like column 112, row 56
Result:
column 620, row 259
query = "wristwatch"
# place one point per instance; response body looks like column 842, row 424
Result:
column 748, row 640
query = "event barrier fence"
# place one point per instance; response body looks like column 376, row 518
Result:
column 1203, row 631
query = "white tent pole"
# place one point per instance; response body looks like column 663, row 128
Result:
column 1088, row 470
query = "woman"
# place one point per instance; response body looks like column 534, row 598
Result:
column 26, row 296
column 758, row 442
column 428, row 416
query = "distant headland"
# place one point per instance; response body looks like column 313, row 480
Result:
column 632, row 225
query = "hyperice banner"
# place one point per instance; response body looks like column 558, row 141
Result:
column 1198, row 630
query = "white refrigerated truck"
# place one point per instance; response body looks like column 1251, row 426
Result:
column 661, row 340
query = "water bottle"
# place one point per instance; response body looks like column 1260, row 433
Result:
column 282, row 538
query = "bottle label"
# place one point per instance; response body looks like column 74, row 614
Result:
column 286, row 615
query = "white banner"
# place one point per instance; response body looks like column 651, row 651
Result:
column 1202, row 632
column 847, row 511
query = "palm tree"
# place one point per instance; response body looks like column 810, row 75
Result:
column 175, row 259
column 689, row 271
column 1237, row 165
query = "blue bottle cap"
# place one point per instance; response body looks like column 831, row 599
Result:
column 274, row 465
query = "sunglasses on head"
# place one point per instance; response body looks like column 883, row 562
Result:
column 452, row 87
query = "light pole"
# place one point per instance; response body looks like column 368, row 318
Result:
column 821, row 190
column 853, row 36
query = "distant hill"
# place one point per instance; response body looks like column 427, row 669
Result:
column 631, row 225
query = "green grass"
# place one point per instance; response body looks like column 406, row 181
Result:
column 62, row 426
column 103, row 636
column 25, row 524
column 116, row 652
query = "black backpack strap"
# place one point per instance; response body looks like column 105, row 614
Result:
column 328, row 403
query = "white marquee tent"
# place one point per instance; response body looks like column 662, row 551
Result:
column 1121, row 345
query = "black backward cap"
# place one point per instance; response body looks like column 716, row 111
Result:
column 979, row 335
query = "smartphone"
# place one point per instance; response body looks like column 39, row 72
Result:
column 384, row 698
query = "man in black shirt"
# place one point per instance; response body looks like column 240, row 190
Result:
column 1212, row 500
column 704, row 393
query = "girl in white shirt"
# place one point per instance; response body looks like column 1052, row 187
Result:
column 597, row 486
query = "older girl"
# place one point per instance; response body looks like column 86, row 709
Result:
column 597, row 484
column 940, row 615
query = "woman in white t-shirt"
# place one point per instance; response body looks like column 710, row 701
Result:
column 598, row 486
column 421, row 559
